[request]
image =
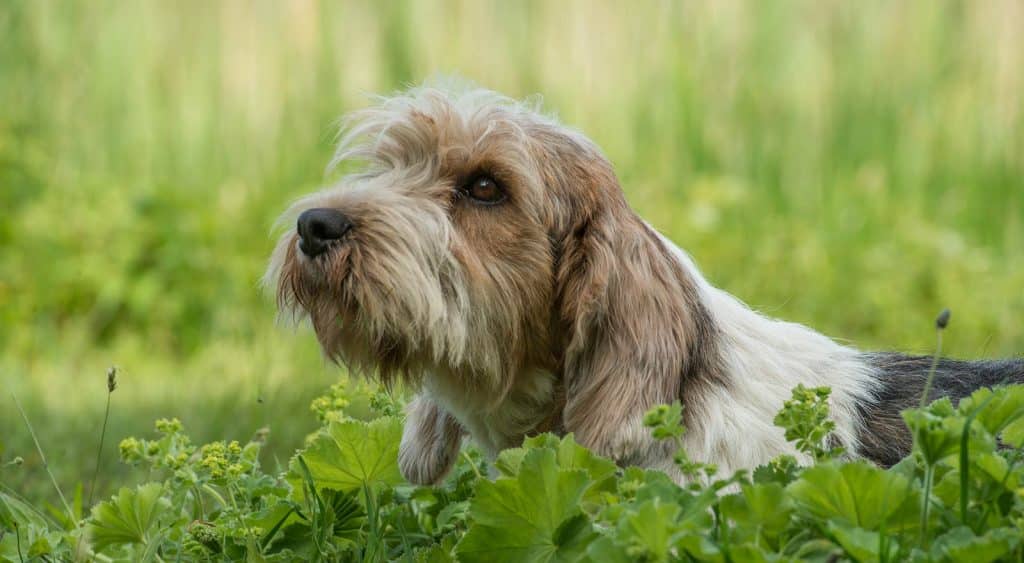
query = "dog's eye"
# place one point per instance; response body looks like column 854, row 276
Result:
column 484, row 189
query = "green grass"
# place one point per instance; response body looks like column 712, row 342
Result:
column 855, row 167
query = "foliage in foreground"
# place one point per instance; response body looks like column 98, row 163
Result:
column 958, row 497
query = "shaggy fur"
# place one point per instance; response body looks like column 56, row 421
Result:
column 554, row 309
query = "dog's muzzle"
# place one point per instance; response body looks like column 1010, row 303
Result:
column 319, row 228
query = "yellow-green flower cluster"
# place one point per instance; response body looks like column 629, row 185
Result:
column 168, row 425
column 332, row 404
column 221, row 459
column 172, row 450
column 176, row 461
column 131, row 450
column 134, row 450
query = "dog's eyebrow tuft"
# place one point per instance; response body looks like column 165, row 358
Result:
column 485, row 167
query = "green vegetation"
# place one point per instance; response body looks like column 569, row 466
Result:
column 957, row 498
column 855, row 167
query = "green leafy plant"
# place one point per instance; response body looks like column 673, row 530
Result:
column 805, row 420
column 958, row 497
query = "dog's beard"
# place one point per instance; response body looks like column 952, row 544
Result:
column 389, row 307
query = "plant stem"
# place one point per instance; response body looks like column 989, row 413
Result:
column 216, row 496
column 99, row 451
column 42, row 458
column 198, row 495
column 17, row 541
column 965, row 445
column 929, row 473
column 472, row 465
column 931, row 372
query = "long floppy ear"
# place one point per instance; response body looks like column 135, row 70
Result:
column 637, row 334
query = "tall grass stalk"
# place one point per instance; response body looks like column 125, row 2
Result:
column 111, row 386
column 940, row 324
column 42, row 457
column 929, row 473
column 17, row 542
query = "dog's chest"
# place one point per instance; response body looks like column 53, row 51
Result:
column 530, row 406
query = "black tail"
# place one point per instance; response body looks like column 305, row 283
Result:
column 884, row 438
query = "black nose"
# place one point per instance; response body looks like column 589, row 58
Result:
column 319, row 227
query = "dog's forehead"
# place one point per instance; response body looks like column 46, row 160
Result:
column 465, row 117
column 460, row 135
column 447, row 129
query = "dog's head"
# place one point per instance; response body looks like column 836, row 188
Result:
column 474, row 242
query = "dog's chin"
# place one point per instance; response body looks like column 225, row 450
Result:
column 379, row 358
column 365, row 349
column 324, row 290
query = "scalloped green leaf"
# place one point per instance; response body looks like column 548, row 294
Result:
column 532, row 517
column 857, row 493
column 570, row 455
column 995, row 408
column 345, row 455
column 604, row 549
column 650, row 530
column 936, row 429
column 859, row 544
column 761, row 508
column 960, row 544
column 14, row 510
column 699, row 547
column 1013, row 434
column 130, row 517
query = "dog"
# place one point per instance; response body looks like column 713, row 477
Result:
column 484, row 254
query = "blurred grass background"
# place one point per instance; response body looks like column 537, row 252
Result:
column 852, row 166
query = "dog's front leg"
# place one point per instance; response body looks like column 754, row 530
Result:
column 430, row 442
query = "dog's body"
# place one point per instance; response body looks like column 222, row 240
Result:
column 487, row 256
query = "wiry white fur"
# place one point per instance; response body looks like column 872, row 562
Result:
column 764, row 360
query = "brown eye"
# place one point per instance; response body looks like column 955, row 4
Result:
column 484, row 189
